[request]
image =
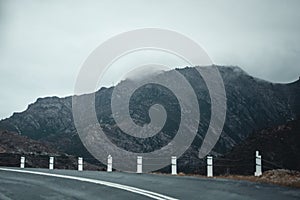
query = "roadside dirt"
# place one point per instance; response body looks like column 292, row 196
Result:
column 281, row 177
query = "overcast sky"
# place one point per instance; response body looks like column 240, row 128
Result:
column 44, row 43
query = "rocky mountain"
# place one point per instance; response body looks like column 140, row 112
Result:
column 252, row 104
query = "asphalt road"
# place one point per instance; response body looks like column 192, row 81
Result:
column 67, row 184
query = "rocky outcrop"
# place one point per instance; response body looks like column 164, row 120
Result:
column 13, row 146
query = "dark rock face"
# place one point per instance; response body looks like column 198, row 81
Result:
column 252, row 104
column 279, row 147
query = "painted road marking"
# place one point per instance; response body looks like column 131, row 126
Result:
column 143, row 192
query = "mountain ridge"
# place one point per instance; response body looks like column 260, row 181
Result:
column 227, row 66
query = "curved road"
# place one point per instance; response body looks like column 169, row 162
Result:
column 67, row 184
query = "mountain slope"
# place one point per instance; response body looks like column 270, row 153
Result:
column 278, row 145
column 13, row 146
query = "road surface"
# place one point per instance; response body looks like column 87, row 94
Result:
column 67, row 184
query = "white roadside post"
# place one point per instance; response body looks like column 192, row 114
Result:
column 209, row 166
column 258, row 165
column 51, row 163
column 174, row 165
column 22, row 165
column 80, row 164
column 139, row 167
column 109, row 163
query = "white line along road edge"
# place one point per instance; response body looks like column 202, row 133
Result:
column 150, row 194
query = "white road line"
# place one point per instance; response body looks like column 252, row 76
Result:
column 147, row 193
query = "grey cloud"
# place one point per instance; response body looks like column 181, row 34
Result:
column 44, row 43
